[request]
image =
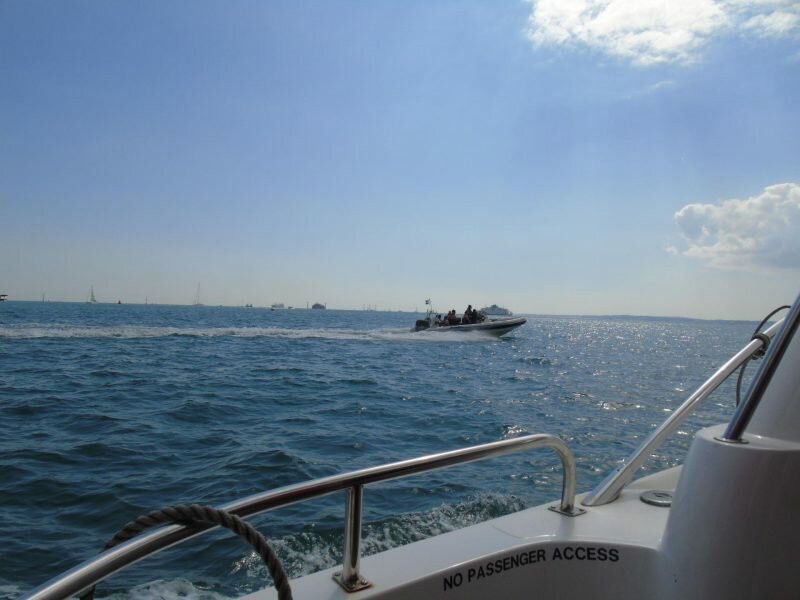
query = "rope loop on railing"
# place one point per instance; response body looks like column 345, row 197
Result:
column 764, row 340
column 187, row 514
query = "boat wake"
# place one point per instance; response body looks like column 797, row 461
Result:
column 142, row 332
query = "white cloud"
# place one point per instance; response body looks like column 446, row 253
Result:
column 657, row 87
column 652, row 32
column 762, row 231
column 774, row 25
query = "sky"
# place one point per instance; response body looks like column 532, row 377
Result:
column 584, row 157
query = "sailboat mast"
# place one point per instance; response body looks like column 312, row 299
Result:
column 197, row 297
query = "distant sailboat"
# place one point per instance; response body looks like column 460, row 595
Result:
column 92, row 299
column 197, row 297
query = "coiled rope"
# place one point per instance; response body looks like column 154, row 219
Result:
column 187, row 514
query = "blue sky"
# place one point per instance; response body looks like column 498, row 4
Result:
column 583, row 157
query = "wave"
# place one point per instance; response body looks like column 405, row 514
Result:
column 320, row 548
column 177, row 589
column 314, row 550
column 10, row 592
column 145, row 332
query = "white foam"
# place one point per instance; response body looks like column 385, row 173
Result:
column 9, row 592
column 311, row 551
column 141, row 332
column 177, row 589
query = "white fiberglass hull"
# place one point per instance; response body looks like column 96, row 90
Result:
column 609, row 552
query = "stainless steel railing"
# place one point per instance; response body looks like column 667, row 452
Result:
column 350, row 578
column 608, row 489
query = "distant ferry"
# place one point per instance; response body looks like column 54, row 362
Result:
column 496, row 310
column 3, row 297
column 318, row 306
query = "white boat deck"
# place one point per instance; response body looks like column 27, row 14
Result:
column 509, row 557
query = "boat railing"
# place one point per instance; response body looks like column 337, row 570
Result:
column 610, row 488
column 95, row 570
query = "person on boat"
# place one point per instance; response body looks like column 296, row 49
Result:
column 438, row 320
column 468, row 316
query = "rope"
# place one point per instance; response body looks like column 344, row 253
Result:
column 187, row 514
column 757, row 335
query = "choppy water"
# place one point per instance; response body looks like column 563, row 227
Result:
column 109, row 412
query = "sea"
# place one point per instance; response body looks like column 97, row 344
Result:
column 112, row 411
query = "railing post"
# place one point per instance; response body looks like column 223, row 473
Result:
column 567, row 506
column 349, row 578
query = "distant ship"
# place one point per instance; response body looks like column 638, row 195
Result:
column 496, row 310
column 3, row 297
column 277, row 305
column 318, row 306
column 92, row 299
